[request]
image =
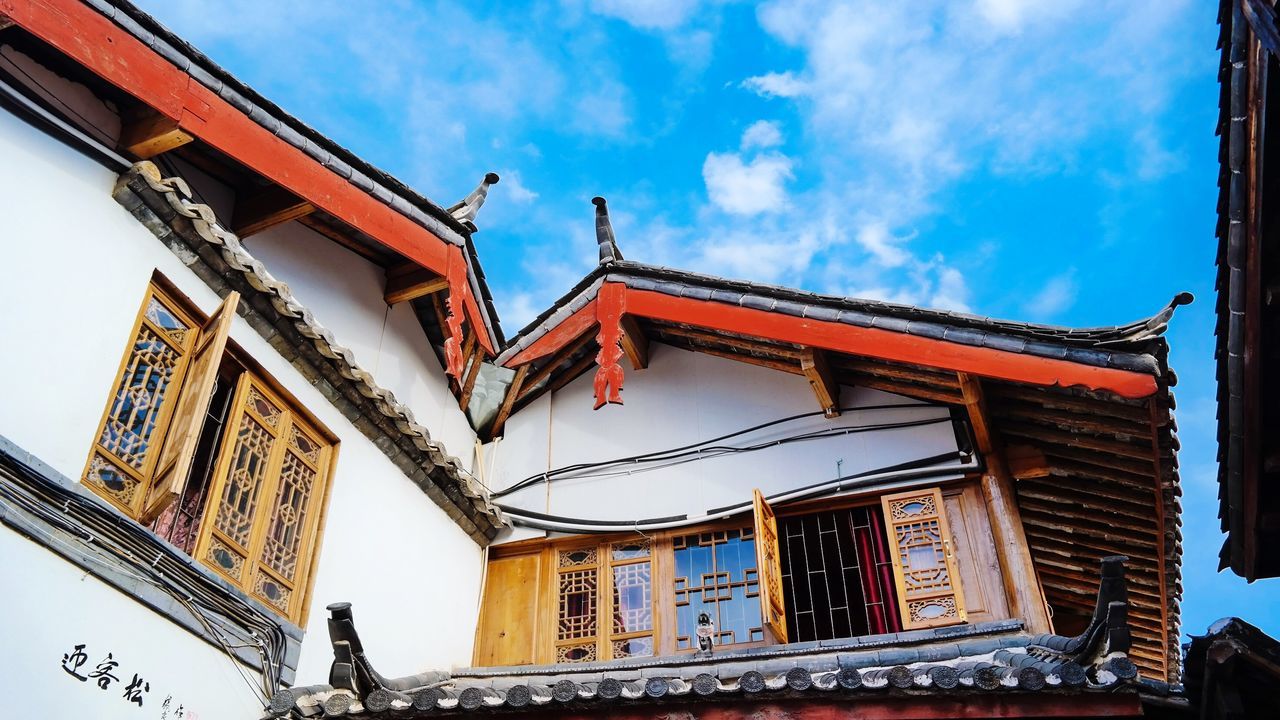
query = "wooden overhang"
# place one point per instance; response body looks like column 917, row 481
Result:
column 177, row 105
column 1080, row 420
column 1248, row 321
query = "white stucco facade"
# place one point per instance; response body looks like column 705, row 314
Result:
column 685, row 397
column 76, row 266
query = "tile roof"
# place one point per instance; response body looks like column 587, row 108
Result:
column 1132, row 346
column 337, row 159
column 995, row 657
column 165, row 205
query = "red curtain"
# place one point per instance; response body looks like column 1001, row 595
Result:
column 876, row 571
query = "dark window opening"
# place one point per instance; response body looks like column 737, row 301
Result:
column 180, row 522
column 837, row 576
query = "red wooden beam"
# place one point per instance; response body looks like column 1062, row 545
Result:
column 887, row 345
column 968, row 707
column 566, row 332
column 120, row 59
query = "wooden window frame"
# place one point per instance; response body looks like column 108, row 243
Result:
column 543, row 632
column 143, row 476
column 308, row 553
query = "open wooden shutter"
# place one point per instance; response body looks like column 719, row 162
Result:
column 188, row 417
column 924, row 567
column 773, row 609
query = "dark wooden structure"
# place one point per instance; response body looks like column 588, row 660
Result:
column 1248, row 306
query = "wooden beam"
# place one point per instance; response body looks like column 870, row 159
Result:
column 887, row 344
column 313, row 223
column 1026, row 462
column 531, row 383
column 1018, row 570
column 919, row 392
column 412, row 285
column 267, row 208
column 509, row 401
column 634, row 343
column 147, row 133
column 469, row 384
column 816, row 369
column 5, row 22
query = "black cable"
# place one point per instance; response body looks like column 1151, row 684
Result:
column 132, row 544
column 693, row 448
column 919, row 463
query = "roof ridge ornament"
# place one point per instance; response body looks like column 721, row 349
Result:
column 609, row 251
column 465, row 211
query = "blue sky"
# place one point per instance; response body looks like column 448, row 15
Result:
column 1041, row 161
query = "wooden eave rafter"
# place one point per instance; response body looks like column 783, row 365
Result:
column 183, row 105
column 146, row 133
column 817, row 370
column 263, row 209
column 408, row 281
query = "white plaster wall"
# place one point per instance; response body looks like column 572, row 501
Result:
column 58, row 606
column 75, row 267
column 685, row 397
column 345, row 292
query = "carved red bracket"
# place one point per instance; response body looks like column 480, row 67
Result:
column 610, row 305
column 455, row 307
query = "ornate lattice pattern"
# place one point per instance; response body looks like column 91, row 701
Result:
column 289, row 516
column 576, row 653
column 630, row 550
column 139, row 398
column 239, row 502
column 912, row 507
column 715, row 572
column 635, row 647
column 272, row 590
column 632, row 598
column 167, row 321
column 112, row 479
column 308, row 448
column 269, row 413
column 933, row 609
column 577, row 609
column 577, row 557
column 225, row 558
column 923, row 558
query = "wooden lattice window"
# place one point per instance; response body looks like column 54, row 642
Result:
column 927, row 580
column 631, row 607
column 144, row 442
column 577, row 613
column 716, row 573
column 251, row 510
column 262, row 521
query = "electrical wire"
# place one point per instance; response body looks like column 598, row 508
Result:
column 131, row 544
column 695, row 449
column 921, row 468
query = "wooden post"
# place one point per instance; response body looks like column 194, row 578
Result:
column 816, row 369
column 1022, row 586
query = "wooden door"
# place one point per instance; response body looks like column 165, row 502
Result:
column 509, row 612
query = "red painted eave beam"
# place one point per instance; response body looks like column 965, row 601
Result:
column 117, row 57
column 853, row 340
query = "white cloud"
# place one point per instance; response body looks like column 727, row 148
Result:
column 648, row 14
column 783, row 85
column 761, row 134
column 513, row 186
column 517, row 311
column 748, row 188
column 874, row 237
column 1057, row 295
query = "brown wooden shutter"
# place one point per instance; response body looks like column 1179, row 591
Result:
column 924, row 567
column 773, row 609
column 510, row 612
column 188, row 417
